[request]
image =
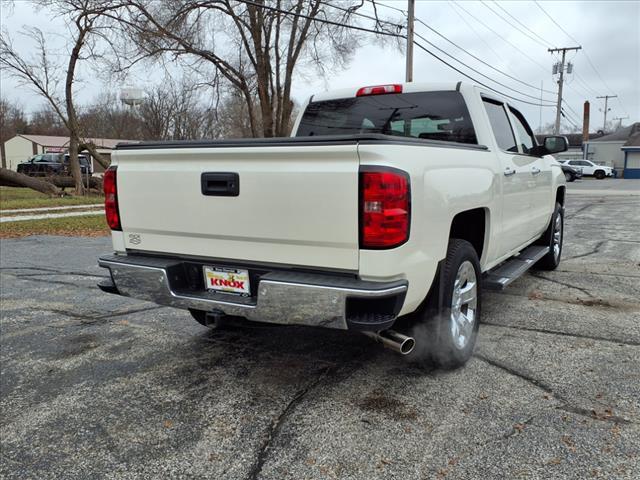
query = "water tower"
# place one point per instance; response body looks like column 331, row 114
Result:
column 131, row 96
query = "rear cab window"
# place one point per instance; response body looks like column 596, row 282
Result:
column 438, row 115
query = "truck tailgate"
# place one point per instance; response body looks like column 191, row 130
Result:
column 296, row 205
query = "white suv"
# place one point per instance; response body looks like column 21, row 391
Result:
column 590, row 168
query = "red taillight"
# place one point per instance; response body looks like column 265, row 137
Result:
column 111, row 198
column 385, row 201
column 379, row 90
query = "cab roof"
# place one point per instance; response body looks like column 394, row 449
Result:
column 406, row 88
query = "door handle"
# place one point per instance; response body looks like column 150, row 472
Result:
column 509, row 171
column 220, row 184
column 535, row 170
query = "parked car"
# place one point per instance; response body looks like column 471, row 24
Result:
column 570, row 173
column 591, row 169
column 387, row 212
column 48, row 164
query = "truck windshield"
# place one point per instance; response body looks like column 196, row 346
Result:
column 428, row 115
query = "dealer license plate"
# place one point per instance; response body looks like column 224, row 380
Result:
column 227, row 280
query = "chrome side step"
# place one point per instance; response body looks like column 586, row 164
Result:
column 501, row 276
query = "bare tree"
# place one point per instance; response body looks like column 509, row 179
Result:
column 45, row 76
column 12, row 122
column 255, row 46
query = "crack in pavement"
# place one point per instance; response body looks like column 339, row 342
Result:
column 564, row 403
column 595, row 250
column 91, row 320
column 599, row 274
column 51, row 270
column 55, row 274
column 537, row 275
column 565, row 334
column 617, row 305
column 582, row 209
column 276, row 424
column 57, row 282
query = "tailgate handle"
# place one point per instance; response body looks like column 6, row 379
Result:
column 220, row 184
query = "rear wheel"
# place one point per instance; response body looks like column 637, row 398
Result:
column 599, row 174
column 450, row 335
column 569, row 177
column 553, row 238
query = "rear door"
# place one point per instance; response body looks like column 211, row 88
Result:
column 517, row 181
column 294, row 205
column 542, row 199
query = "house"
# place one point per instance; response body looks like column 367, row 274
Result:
column 22, row 147
column 608, row 150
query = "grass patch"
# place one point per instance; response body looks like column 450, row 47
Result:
column 87, row 226
column 13, row 198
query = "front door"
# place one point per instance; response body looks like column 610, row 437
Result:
column 542, row 201
column 517, row 180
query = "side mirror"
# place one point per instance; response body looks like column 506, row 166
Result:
column 555, row 144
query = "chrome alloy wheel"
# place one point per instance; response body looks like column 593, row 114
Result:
column 464, row 303
column 557, row 236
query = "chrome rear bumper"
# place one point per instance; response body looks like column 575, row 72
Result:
column 282, row 297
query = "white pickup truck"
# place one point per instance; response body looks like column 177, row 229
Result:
column 391, row 206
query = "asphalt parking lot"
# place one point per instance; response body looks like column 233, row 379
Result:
column 94, row 385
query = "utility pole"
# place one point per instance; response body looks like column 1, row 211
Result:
column 585, row 121
column 410, row 24
column 560, row 82
column 606, row 105
column 620, row 123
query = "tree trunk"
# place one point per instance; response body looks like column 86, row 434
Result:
column 74, row 165
column 90, row 147
column 11, row 178
column 68, row 182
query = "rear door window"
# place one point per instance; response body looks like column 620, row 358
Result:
column 428, row 115
column 500, row 125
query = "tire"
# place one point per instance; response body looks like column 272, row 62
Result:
column 599, row 174
column 553, row 238
column 448, row 337
column 569, row 177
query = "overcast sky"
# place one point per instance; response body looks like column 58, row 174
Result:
column 607, row 31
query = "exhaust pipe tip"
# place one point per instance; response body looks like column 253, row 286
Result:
column 407, row 346
column 393, row 340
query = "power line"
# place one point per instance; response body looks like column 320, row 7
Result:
column 556, row 23
column 588, row 88
column 404, row 12
column 472, row 28
column 321, row 20
column 475, row 80
column 480, row 60
column 569, row 120
column 522, row 24
column 566, row 104
column 499, row 36
column 478, row 72
column 378, row 32
column 546, row 45
column 585, row 53
column 450, row 56
column 352, row 11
